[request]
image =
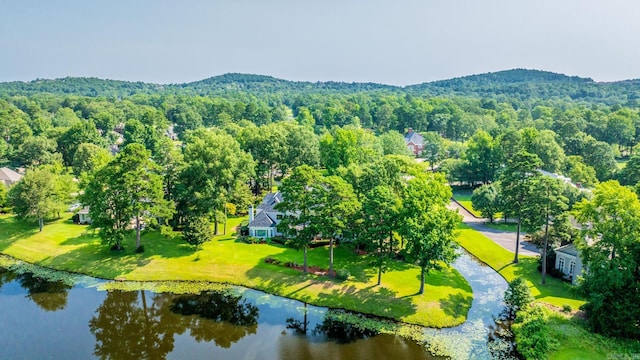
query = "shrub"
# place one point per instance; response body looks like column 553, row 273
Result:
column 532, row 333
column 518, row 296
column 140, row 249
column 270, row 260
column 566, row 308
column 342, row 274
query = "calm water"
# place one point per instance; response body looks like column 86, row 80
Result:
column 40, row 319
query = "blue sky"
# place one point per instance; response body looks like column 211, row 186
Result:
column 394, row 42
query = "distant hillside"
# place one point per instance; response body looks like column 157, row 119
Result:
column 523, row 84
column 519, row 84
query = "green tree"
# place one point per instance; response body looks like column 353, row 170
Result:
column 545, row 203
column 36, row 195
column 516, row 180
column 431, row 239
column 610, row 248
column 335, row 203
column 434, row 148
column 393, row 143
column 215, row 165
column 579, row 172
column 487, row 199
column 89, row 158
column 483, row 157
column 128, row 188
column 83, row 132
column 197, row 230
column 299, row 222
column 381, row 210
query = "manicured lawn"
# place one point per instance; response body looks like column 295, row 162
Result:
column 554, row 292
column 66, row 246
column 503, row 226
column 463, row 197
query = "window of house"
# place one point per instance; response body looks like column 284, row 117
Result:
column 261, row 233
column 572, row 265
column 561, row 264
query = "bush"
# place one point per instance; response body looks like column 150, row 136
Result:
column 342, row 274
column 279, row 240
column 270, row 260
column 518, row 296
column 532, row 333
column 566, row 308
column 140, row 249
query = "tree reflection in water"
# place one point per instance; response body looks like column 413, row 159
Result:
column 129, row 326
column 330, row 328
column 233, row 317
column 48, row 295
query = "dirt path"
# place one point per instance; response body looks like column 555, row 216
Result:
column 506, row 239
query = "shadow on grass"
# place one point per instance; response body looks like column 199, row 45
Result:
column 13, row 229
column 456, row 304
column 379, row 301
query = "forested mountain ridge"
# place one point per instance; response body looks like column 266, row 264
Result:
column 521, row 84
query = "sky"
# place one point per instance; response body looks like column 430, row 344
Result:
column 397, row 42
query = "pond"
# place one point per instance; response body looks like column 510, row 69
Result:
column 50, row 319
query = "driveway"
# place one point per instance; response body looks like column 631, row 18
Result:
column 506, row 239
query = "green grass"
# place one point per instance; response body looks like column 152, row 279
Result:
column 503, row 226
column 66, row 246
column 554, row 292
column 571, row 340
column 463, row 197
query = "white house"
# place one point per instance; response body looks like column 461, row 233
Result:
column 264, row 219
column 83, row 216
column 569, row 262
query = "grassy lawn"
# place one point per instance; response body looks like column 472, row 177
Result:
column 503, row 226
column 554, row 292
column 571, row 340
column 66, row 246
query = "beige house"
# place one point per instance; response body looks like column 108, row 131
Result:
column 8, row 176
column 569, row 262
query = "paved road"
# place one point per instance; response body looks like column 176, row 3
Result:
column 506, row 239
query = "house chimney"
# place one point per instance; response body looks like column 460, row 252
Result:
column 251, row 214
column 410, row 131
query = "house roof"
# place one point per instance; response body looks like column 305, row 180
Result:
column 568, row 249
column 270, row 201
column 262, row 220
column 7, row 174
column 413, row 137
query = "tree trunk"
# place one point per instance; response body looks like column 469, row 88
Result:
column 215, row 223
column 331, row 258
column 380, row 269
column 305, row 260
column 515, row 259
column 137, row 231
column 421, row 281
column 40, row 223
column 225, row 220
column 544, row 252
column 391, row 243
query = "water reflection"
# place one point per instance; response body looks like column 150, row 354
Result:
column 221, row 317
column 48, row 295
column 137, row 325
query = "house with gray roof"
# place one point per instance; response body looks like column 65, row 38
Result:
column 569, row 262
column 8, row 176
column 414, row 142
column 263, row 220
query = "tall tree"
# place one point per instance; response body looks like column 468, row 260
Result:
column 546, row 202
column 610, row 248
column 487, row 199
column 431, row 240
column 334, row 204
column 381, row 208
column 516, row 181
column 128, row 188
column 299, row 222
column 215, row 165
column 37, row 195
